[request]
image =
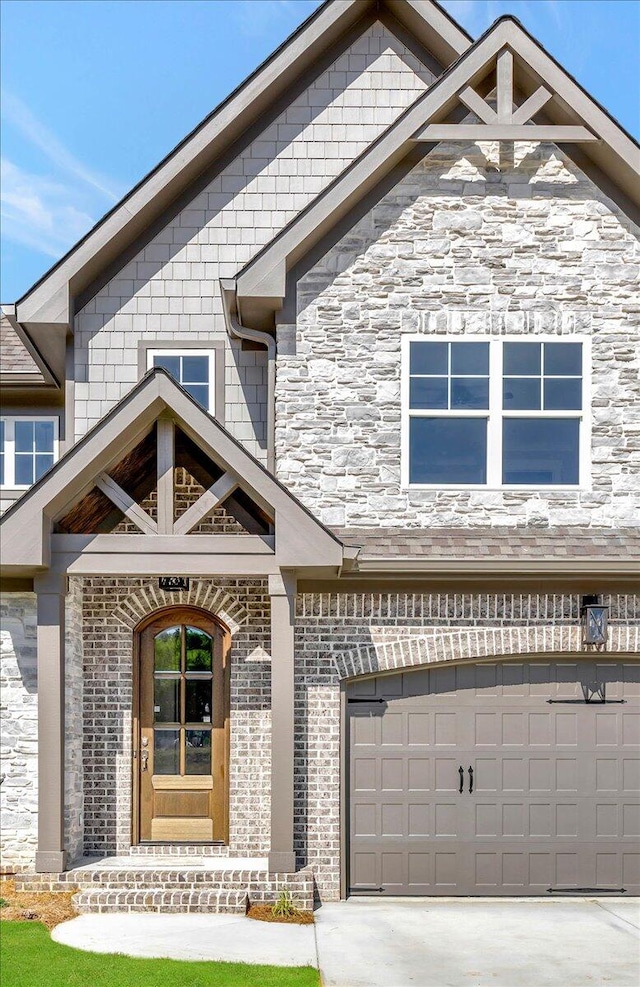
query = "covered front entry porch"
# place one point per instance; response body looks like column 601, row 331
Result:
column 156, row 521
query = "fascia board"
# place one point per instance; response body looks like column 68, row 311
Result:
column 621, row 153
column 21, row 524
column 48, row 377
column 617, row 154
column 46, row 302
column 368, row 169
column 433, row 27
column 50, row 299
column 300, row 539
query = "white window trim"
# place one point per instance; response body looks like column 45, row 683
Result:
column 495, row 413
column 9, row 446
column 186, row 351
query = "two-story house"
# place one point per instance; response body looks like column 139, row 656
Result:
column 323, row 456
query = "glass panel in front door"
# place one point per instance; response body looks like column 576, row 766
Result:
column 182, row 701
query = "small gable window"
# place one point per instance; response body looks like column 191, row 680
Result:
column 28, row 448
column 495, row 412
column 193, row 369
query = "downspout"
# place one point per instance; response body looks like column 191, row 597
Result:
column 237, row 330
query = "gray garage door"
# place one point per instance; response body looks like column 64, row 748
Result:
column 495, row 779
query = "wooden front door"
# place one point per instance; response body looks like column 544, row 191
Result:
column 182, row 729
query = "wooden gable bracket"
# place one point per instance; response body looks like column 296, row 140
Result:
column 197, row 512
column 126, row 504
column 507, row 122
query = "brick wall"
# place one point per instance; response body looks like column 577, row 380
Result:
column 111, row 608
column 341, row 635
column 170, row 289
column 337, row 636
column 460, row 247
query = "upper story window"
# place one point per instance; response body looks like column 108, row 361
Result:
column 28, row 448
column 194, row 369
column 497, row 413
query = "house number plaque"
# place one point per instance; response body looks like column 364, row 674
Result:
column 173, row 583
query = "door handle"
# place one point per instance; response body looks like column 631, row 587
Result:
column 144, row 754
column 461, row 773
column 470, row 780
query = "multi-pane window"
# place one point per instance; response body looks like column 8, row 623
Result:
column 28, row 448
column 495, row 412
column 193, row 369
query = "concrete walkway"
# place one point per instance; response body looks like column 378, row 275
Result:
column 577, row 942
column 233, row 938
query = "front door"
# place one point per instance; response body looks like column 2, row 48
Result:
column 182, row 729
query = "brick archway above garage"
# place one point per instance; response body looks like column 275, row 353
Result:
column 440, row 645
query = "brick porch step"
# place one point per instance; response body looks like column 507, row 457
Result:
column 170, row 885
column 218, row 901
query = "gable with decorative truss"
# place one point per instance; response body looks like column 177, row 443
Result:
column 159, row 483
column 516, row 91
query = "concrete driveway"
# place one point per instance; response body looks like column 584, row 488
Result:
column 479, row 943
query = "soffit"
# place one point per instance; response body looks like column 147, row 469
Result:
column 21, row 365
column 570, row 114
column 50, row 301
column 26, row 527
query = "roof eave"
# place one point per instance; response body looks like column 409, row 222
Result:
column 50, row 300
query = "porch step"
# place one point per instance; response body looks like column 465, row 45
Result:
column 179, row 850
column 218, row 901
column 178, row 880
column 192, row 886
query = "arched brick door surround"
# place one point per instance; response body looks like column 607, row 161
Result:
column 216, row 601
column 439, row 645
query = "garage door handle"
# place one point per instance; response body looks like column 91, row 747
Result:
column 461, row 773
column 470, row 780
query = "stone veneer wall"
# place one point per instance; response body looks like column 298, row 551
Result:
column 18, row 731
column 19, row 728
column 111, row 608
column 459, row 246
column 343, row 635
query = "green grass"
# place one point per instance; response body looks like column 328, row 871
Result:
column 29, row 958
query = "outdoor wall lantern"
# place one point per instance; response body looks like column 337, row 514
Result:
column 595, row 619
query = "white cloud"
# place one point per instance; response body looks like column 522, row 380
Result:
column 42, row 214
column 37, row 133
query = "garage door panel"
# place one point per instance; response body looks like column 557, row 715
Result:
column 364, row 728
column 514, row 682
column 631, row 870
column 631, row 774
column 630, row 681
column 419, row 729
column 392, row 729
column 555, row 785
column 486, row 681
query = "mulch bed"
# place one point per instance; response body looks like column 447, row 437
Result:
column 264, row 913
column 47, row 907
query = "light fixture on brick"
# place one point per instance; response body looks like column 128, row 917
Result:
column 595, row 618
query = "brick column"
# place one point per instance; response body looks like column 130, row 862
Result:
column 282, row 590
column 50, row 595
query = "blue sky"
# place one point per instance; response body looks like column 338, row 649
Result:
column 95, row 93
